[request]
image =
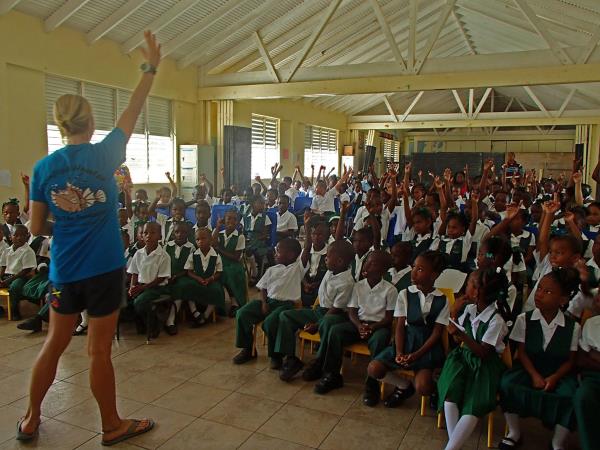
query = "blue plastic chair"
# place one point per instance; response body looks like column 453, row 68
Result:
column 217, row 212
column 301, row 203
column 336, row 205
column 390, row 239
column 272, row 215
column 163, row 211
column 190, row 214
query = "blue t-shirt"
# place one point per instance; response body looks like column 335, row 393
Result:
column 78, row 185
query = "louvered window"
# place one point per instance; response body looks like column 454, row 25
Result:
column 320, row 148
column 391, row 150
column 150, row 150
column 265, row 145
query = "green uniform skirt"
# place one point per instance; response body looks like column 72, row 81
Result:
column 518, row 396
column 470, row 382
column 414, row 339
column 587, row 404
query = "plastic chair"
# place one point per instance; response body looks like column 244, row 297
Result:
column 303, row 336
column 301, row 203
column 190, row 214
column 4, row 294
column 390, row 234
column 336, row 205
column 272, row 215
column 217, row 212
column 164, row 211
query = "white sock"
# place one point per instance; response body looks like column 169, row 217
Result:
column 84, row 319
column 514, row 428
column 396, row 380
column 560, row 436
column 192, row 307
column 173, row 312
column 452, row 415
column 209, row 310
column 464, row 428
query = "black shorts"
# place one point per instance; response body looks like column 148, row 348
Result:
column 100, row 295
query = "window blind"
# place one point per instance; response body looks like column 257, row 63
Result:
column 320, row 148
column 55, row 87
column 102, row 100
column 265, row 145
column 391, row 150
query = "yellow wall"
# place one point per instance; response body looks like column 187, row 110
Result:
column 27, row 53
column 293, row 115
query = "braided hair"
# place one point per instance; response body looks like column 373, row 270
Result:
column 10, row 201
column 494, row 284
column 567, row 278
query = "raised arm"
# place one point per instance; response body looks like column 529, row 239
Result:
column 405, row 197
column 152, row 56
column 25, row 180
column 259, row 180
column 474, row 212
column 487, row 166
column 174, row 189
column 578, row 180
column 549, row 208
column 308, row 241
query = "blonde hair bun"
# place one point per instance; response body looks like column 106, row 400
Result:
column 72, row 114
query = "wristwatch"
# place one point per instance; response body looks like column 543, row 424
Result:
column 148, row 68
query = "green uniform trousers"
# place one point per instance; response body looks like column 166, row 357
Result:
column 251, row 313
column 587, row 405
column 346, row 333
column 15, row 293
column 292, row 321
column 143, row 302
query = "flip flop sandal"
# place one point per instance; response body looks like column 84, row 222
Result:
column 80, row 330
column 131, row 432
column 25, row 437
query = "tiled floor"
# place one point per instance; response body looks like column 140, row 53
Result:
column 200, row 400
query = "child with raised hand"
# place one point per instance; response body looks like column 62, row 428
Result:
column 589, row 274
column 204, row 267
column 471, row 375
column 400, row 272
column 280, row 288
column 323, row 201
column 456, row 234
column 202, row 216
column 334, row 295
column 17, row 265
column 167, row 223
column 370, row 310
column 541, row 383
column 586, row 402
column 287, row 224
column 179, row 250
column 257, row 229
column 422, row 313
column 150, row 271
column 552, row 251
column 230, row 244
column 313, row 257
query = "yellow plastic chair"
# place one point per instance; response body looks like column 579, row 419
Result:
column 303, row 336
column 4, row 294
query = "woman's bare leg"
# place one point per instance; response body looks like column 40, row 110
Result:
column 102, row 376
column 60, row 332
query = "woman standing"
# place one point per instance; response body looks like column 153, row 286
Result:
column 76, row 184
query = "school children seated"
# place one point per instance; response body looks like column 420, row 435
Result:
column 17, row 265
column 313, row 257
column 370, row 318
column 421, row 315
column 280, row 288
column 12, row 217
column 334, row 294
column 177, row 208
column 287, row 224
column 257, row 229
column 150, row 271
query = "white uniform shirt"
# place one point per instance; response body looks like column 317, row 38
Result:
column 372, row 303
column 204, row 260
column 398, row 274
column 208, row 225
column 515, row 241
column 590, row 337
column 344, row 198
column 283, row 282
column 359, row 221
column 543, row 268
column 425, row 302
column 286, row 221
column 149, row 267
column 16, row 260
column 253, row 220
column 241, row 243
column 335, row 290
column 179, row 247
column 292, row 193
column 360, row 260
column 3, row 246
column 497, row 328
column 481, row 231
column 582, row 301
column 410, row 234
column 444, row 243
column 324, row 203
column 314, row 260
column 520, row 328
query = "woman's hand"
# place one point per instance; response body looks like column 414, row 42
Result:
column 152, row 53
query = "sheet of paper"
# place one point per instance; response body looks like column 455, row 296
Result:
column 451, row 279
column 5, row 178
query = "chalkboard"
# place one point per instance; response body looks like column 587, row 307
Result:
column 455, row 161
column 236, row 148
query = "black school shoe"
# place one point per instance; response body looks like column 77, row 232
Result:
column 313, row 371
column 171, row 329
column 291, row 366
column 328, row 383
column 398, row 396
column 433, row 400
column 371, row 394
column 276, row 362
column 33, row 324
column 243, row 356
